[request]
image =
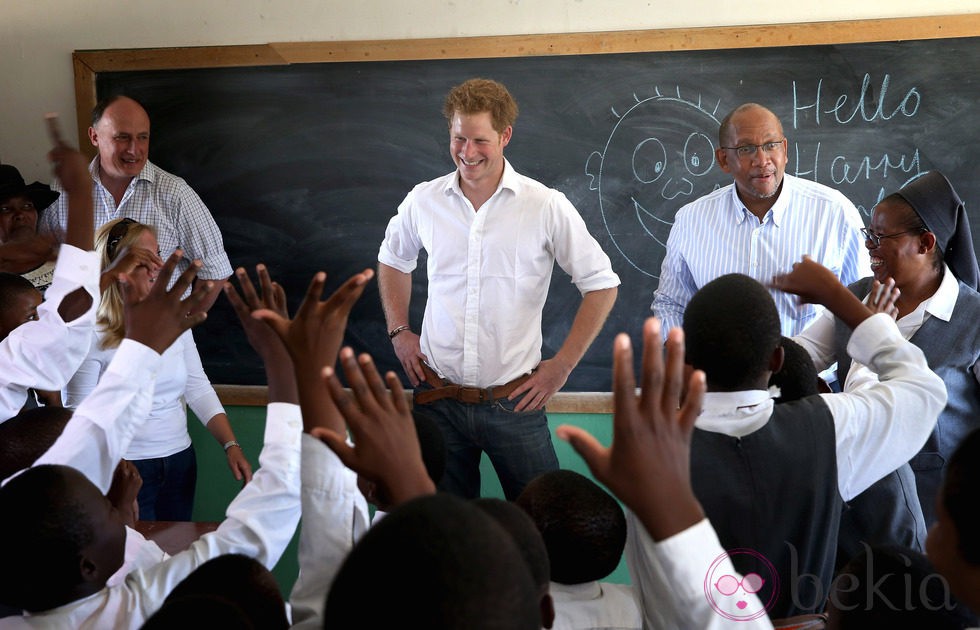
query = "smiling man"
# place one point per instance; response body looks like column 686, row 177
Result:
column 759, row 225
column 127, row 184
column 492, row 237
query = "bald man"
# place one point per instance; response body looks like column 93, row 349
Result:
column 759, row 225
column 127, row 184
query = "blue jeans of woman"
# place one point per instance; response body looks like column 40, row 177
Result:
column 167, row 493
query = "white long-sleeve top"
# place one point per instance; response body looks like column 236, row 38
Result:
column 181, row 379
column 335, row 515
column 45, row 353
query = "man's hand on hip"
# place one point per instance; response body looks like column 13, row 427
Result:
column 409, row 353
column 548, row 378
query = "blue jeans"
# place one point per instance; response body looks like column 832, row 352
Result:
column 518, row 444
column 167, row 493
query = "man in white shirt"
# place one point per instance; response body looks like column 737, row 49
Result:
column 759, row 225
column 492, row 237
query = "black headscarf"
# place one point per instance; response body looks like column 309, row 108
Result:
column 943, row 213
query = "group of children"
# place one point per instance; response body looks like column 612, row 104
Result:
column 703, row 463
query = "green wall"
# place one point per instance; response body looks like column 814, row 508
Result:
column 216, row 487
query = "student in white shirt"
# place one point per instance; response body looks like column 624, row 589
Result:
column 61, row 580
column 584, row 530
column 673, row 548
column 43, row 354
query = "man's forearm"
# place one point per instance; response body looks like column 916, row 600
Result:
column 395, row 288
column 589, row 319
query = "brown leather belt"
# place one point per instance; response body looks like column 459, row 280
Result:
column 471, row 395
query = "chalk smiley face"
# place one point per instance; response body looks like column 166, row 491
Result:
column 659, row 156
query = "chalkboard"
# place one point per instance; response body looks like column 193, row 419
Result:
column 303, row 164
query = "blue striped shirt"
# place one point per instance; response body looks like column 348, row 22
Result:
column 717, row 234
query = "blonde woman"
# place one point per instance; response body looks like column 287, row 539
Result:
column 161, row 449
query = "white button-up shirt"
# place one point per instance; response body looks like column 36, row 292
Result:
column 489, row 271
column 716, row 235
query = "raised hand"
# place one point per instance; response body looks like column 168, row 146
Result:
column 883, row 298
column 162, row 316
column 648, row 463
column 816, row 284
column 127, row 261
column 313, row 337
column 386, row 448
column 71, row 169
column 261, row 336
column 126, row 484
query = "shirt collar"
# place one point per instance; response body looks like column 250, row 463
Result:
column 509, row 180
column 735, row 413
column 147, row 173
column 575, row 592
column 944, row 299
column 776, row 212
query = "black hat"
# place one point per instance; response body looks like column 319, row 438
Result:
column 942, row 211
column 12, row 185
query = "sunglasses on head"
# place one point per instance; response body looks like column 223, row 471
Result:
column 116, row 234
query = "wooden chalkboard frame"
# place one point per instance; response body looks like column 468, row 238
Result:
column 89, row 63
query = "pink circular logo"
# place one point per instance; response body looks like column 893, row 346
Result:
column 730, row 595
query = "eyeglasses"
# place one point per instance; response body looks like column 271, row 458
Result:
column 749, row 150
column 875, row 239
column 729, row 585
column 116, row 234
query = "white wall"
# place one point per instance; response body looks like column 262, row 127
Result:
column 37, row 37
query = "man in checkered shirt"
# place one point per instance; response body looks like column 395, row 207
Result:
column 127, row 184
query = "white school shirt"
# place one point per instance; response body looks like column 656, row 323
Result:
column 181, row 379
column 595, row 606
column 335, row 516
column 670, row 578
column 489, row 271
column 259, row 523
column 44, row 354
column 716, row 235
column 877, row 429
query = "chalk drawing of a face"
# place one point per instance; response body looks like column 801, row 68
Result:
column 659, row 156
column 729, row 595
